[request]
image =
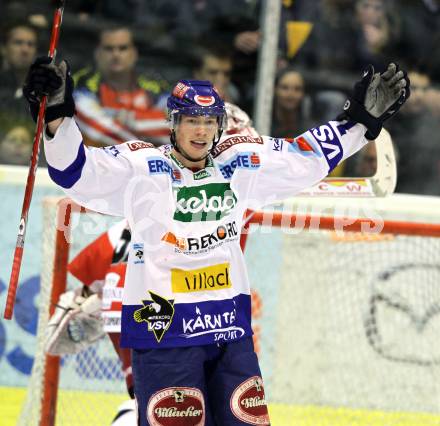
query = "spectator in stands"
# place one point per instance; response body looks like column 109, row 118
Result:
column 417, row 139
column 419, row 44
column 115, row 103
column 291, row 108
column 379, row 30
column 215, row 65
column 18, row 48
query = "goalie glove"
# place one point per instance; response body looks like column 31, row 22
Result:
column 376, row 98
column 76, row 324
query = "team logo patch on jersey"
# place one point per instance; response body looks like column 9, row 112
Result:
column 176, row 406
column 190, row 245
column 248, row 402
column 204, row 203
column 204, row 100
column 138, row 253
column 330, row 144
column 135, row 146
column 243, row 160
column 227, row 143
column 203, row 279
column 158, row 313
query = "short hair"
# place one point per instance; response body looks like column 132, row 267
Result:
column 7, row 30
column 198, row 58
column 112, row 29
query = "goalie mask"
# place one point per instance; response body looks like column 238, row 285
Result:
column 195, row 98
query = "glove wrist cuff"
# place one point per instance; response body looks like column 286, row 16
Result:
column 357, row 112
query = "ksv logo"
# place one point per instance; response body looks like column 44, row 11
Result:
column 203, row 203
column 158, row 313
column 243, row 160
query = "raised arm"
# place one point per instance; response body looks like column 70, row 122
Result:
column 95, row 178
column 291, row 165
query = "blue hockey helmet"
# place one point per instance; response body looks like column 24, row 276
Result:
column 196, row 97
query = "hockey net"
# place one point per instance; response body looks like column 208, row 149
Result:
column 346, row 307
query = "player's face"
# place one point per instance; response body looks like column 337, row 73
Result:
column 289, row 91
column 195, row 134
column 116, row 53
column 21, row 48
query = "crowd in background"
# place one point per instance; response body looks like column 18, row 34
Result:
column 126, row 54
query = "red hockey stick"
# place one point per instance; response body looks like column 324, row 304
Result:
column 18, row 254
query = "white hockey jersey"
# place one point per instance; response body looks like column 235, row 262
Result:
column 186, row 281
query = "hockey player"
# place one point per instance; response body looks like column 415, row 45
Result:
column 186, row 302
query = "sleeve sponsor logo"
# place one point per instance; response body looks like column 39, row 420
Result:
column 220, row 325
column 248, row 402
column 330, row 144
column 299, row 145
column 243, row 160
column 277, row 144
column 158, row 313
column 196, row 245
column 209, row 202
column 227, row 143
column 158, row 165
column 176, row 406
column 180, row 90
column 210, row 278
column 112, row 150
column 135, row 146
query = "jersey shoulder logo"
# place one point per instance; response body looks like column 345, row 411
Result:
column 234, row 140
column 135, row 146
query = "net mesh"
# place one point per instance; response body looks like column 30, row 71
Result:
column 346, row 328
column 91, row 384
column 352, row 324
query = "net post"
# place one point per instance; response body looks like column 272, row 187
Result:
column 59, row 283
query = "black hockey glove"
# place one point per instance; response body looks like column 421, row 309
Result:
column 376, row 98
column 54, row 81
